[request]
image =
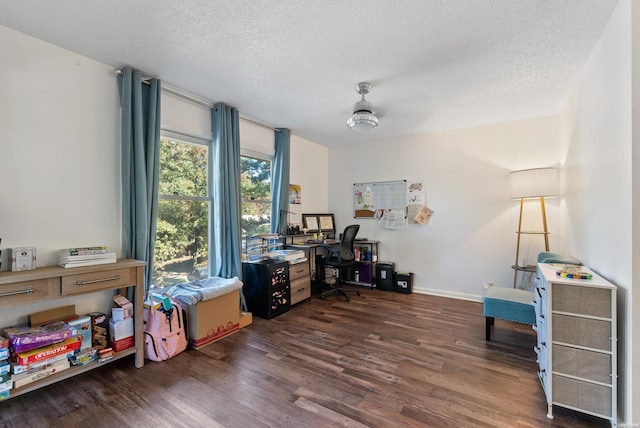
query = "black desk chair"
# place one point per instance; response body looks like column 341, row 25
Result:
column 340, row 257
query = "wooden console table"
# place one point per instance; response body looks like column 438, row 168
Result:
column 24, row 288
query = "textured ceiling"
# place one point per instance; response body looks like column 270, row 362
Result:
column 434, row 64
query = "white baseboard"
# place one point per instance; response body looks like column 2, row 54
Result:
column 451, row 294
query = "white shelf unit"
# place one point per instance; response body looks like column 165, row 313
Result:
column 577, row 342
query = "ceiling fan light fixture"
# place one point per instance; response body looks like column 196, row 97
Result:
column 362, row 121
column 363, row 118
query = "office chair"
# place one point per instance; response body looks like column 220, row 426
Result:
column 340, row 257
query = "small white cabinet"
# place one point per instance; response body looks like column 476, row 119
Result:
column 577, row 342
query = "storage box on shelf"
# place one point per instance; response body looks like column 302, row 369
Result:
column 577, row 344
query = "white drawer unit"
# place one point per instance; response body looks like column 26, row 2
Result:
column 577, row 343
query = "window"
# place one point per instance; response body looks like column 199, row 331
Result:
column 182, row 233
column 255, row 188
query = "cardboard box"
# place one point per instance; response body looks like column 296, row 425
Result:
column 124, row 303
column 83, row 326
column 63, row 313
column 214, row 319
column 56, row 367
column 121, row 334
column 121, row 329
column 99, row 329
column 122, row 344
column 245, row 319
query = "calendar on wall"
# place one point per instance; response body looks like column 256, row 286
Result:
column 393, row 203
column 372, row 197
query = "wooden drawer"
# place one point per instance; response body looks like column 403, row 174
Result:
column 299, row 270
column 300, row 290
column 94, row 281
column 18, row 293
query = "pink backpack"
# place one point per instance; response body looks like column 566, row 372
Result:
column 165, row 333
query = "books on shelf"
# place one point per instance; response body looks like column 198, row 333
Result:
column 85, row 256
column 79, row 251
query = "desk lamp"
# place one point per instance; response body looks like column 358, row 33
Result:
column 533, row 184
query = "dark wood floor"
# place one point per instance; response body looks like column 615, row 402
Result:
column 382, row 360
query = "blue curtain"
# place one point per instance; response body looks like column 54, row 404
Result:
column 280, row 181
column 226, row 260
column 140, row 139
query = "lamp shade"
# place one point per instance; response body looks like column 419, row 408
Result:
column 534, row 183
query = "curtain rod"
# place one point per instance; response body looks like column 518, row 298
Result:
column 194, row 100
column 199, row 102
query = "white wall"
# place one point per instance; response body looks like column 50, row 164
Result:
column 633, row 318
column 471, row 237
column 309, row 168
column 59, row 155
column 597, row 176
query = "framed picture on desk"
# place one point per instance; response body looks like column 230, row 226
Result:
column 310, row 223
column 326, row 223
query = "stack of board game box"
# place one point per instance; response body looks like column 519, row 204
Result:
column 39, row 352
column 5, row 382
column 56, row 339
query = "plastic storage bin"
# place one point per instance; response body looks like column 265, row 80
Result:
column 403, row 282
column 384, row 276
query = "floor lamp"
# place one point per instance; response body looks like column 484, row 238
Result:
column 536, row 183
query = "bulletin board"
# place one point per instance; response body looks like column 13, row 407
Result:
column 373, row 197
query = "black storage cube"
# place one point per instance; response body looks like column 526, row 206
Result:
column 384, row 276
column 403, row 282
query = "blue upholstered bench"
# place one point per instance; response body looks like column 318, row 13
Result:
column 509, row 304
